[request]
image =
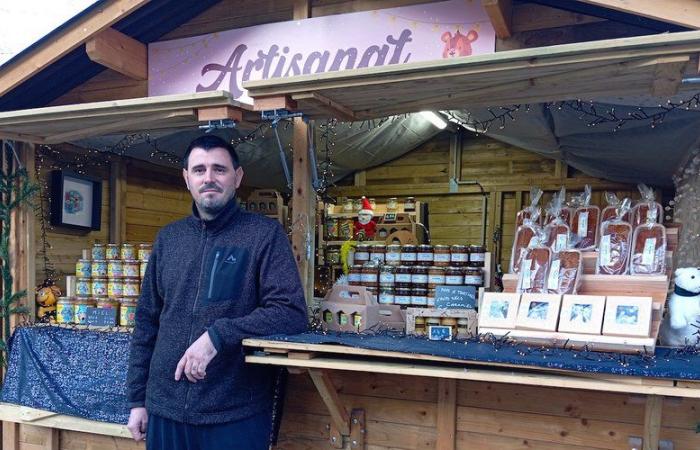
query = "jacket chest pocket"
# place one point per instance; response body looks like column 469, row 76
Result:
column 227, row 267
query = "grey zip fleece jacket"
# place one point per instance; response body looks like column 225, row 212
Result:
column 234, row 276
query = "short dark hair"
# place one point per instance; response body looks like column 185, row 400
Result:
column 208, row 142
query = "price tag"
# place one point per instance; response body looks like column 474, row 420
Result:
column 562, row 241
column 605, row 250
column 583, row 224
column 553, row 281
column 649, row 251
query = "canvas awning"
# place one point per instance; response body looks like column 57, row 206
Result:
column 56, row 124
column 648, row 65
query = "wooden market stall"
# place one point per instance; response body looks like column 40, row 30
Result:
column 399, row 402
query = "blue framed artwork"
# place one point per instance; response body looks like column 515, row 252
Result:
column 76, row 201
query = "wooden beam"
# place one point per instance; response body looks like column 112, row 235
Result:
column 501, row 13
column 274, row 102
column 117, row 202
column 119, row 52
column 302, row 9
column 685, row 13
column 446, row 414
column 668, row 78
column 219, row 113
column 10, row 415
column 339, row 415
column 324, row 103
column 303, row 208
column 10, row 436
column 531, row 17
column 65, row 41
column 652, row 421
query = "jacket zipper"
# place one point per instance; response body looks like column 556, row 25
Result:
column 194, row 306
column 213, row 271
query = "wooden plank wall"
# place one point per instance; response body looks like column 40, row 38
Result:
column 38, row 438
column 402, row 414
column 505, row 172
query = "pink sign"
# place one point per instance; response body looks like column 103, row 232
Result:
column 223, row 61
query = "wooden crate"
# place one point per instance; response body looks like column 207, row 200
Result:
column 469, row 314
column 273, row 202
column 357, row 300
column 654, row 286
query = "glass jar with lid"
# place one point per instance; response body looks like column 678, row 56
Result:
column 459, row 256
column 432, row 322
column 403, row 277
column 419, row 327
column 408, row 255
column 450, row 322
column 370, row 274
column 402, row 296
column 474, row 276
column 409, row 204
column 392, row 204
column 386, row 295
column 436, row 277
column 377, row 253
column 112, row 252
column 419, row 297
column 441, row 255
column 431, row 297
column 477, row 255
column 387, row 276
column 462, row 328
column 393, row 255
column 361, row 253
column 355, row 275
column 419, row 277
column 424, row 255
column 454, row 276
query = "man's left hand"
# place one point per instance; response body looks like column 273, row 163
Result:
column 196, row 359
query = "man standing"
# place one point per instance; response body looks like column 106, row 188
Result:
column 213, row 279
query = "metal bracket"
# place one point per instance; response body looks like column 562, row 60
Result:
column 218, row 125
column 275, row 115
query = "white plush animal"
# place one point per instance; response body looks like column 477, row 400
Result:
column 681, row 324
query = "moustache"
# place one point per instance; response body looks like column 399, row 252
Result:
column 210, row 186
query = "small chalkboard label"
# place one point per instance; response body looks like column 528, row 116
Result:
column 455, row 297
column 101, row 317
column 439, row 333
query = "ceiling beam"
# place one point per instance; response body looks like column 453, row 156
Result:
column 501, row 14
column 685, row 13
column 63, row 42
column 119, row 52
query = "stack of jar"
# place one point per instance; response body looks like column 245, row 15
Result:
column 408, row 274
column 111, row 278
column 460, row 326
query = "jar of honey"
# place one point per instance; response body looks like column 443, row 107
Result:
column 83, row 268
column 65, row 310
column 127, row 311
column 441, row 255
column 99, row 252
column 99, row 268
column 112, row 252
column 81, row 306
column 431, row 297
column 450, row 322
column 144, row 251
column 115, row 268
column 419, row 329
column 99, row 287
column 83, row 287
column 128, row 251
column 132, row 287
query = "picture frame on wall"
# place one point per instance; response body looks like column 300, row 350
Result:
column 498, row 310
column 538, row 312
column 76, row 201
column 582, row 314
column 628, row 316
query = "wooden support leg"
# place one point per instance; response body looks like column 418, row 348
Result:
column 339, row 416
column 652, row 422
column 10, row 436
column 447, row 414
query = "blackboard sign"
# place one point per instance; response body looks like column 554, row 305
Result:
column 455, row 297
column 101, row 317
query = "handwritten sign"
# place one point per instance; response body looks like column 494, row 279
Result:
column 455, row 297
column 439, row 333
column 101, row 317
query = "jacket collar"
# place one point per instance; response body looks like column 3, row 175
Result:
column 219, row 222
column 684, row 293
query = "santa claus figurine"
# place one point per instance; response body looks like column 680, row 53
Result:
column 365, row 227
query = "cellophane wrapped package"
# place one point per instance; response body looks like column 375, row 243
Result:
column 585, row 222
column 534, row 266
column 524, row 234
column 557, row 231
column 535, row 195
column 614, row 245
column 647, row 203
column 649, row 247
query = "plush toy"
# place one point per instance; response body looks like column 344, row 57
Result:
column 47, row 295
column 365, row 227
column 680, row 326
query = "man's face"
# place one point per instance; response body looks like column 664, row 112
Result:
column 211, row 179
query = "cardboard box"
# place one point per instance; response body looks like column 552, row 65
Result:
column 354, row 308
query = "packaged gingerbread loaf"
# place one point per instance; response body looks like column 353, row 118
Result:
column 585, row 222
column 534, row 266
column 557, row 231
column 565, row 212
column 615, row 240
column 565, row 272
column 524, row 235
column 647, row 203
column 649, row 247
column 535, row 195
column 610, row 211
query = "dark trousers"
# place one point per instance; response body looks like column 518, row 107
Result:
column 252, row 433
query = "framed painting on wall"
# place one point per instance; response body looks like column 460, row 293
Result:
column 76, row 200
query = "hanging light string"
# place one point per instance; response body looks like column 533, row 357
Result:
column 328, row 136
column 499, row 117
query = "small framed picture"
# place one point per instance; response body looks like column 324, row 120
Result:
column 498, row 310
column 627, row 316
column 76, row 201
column 538, row 312
column 582, row 314
column 439, row 333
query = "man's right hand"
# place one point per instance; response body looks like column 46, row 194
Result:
column 138, row 421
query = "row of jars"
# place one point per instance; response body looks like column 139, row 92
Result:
column 392, row 204
column 421, row 255
column 107, row 287
column 372, row 275
column 126, row 251
column 73, row 310
column 262, row 207
column 460, row 327
column 112, row 268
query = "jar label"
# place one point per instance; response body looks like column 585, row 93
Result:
column 454, row 279
column 386, row 278
column 477, row 257
column 441, row 257
column 425, row 256
column 369, row 277
column 403, row 277
column 393, row 257
column 402, row 299
column 377, row 257
column 419, row 279
column 649, row 251
column 459, row 257
column 436, row 279
column 354, row 278
column 408, row 256
column 361, row 256
column 419, row 300
column 473, row 280
column 431, row 301
column 387, row 299
column 582, row 224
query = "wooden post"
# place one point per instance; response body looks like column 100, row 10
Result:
column 446, row 414
column 303, row 209
column 117, row 202
column 339, row 415
column 652, row 421
column 10, row 436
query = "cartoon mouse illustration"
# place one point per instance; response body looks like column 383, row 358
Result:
column 459, row 44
